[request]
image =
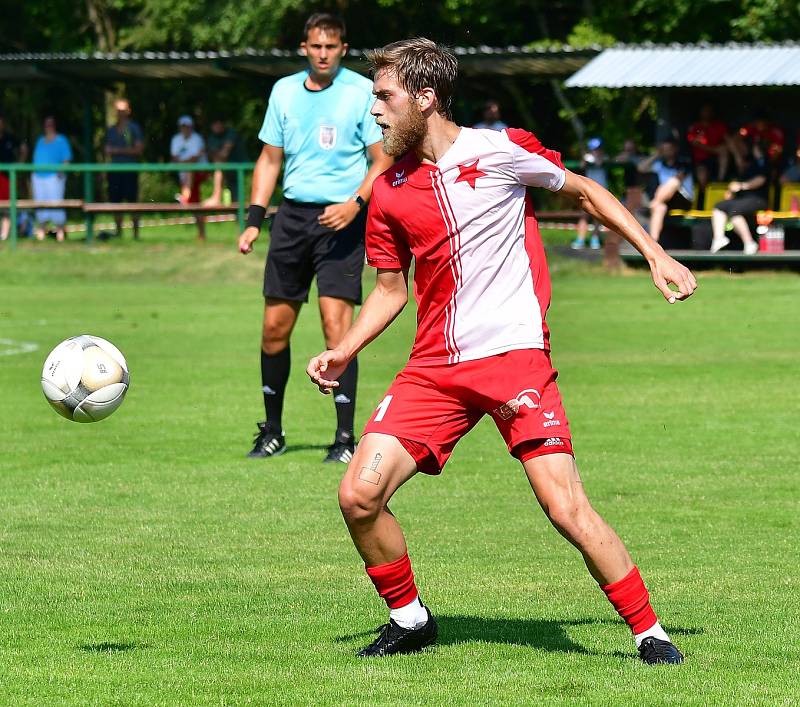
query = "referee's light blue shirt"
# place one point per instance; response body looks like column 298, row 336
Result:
column 324, row 135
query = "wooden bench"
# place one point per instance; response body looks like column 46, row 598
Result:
column 559, row 215
column 104, row 207
column 33, row 204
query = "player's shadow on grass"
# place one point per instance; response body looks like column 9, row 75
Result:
column 109, row 647
column 537, row 633
column 542, row 634
column 306, row 447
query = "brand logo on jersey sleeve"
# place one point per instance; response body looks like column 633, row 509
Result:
column 327, row 137
column 399, row 178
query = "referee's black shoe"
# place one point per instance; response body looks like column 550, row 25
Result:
column 269, row 442
column 395, row 639
column 342, row 449
column 654, row 651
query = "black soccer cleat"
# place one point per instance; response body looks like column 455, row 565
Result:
column 269, row 442
column 394, row 639
column 654, row 651
column 342, row 449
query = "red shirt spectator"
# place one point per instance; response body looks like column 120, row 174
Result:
column 765, row 134
column 708, row 131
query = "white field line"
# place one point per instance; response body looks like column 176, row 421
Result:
column 11, row 347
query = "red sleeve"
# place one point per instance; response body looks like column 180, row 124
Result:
column 534, row 164
column 384, row 248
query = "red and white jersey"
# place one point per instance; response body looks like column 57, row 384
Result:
column 481, row 281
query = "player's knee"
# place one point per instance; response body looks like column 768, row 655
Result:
column 273, row 339
column 358, row 505
column 573, row 519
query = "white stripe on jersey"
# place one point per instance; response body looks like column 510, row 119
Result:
column 454, row 242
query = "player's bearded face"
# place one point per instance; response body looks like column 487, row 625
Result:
column 406, row 131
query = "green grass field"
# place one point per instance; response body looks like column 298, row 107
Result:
column 144, row 560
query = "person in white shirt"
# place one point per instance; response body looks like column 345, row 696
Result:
column 189, row 146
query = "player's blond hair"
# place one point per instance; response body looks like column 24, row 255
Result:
column 419, row 63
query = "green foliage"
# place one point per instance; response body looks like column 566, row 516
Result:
column 586, row 34
column 767, row 20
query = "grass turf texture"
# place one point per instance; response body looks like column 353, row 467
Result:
column 144, row 560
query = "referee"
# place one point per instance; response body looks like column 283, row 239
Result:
column 319, row 121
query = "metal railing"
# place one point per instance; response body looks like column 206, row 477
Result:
column 88, row 169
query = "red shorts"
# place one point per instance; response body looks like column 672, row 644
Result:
column 430, row 408
column 5, row 187
column 197, row 180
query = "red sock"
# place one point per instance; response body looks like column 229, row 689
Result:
column 630, row 598
column 394, row 582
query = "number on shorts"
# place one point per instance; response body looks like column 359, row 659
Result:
column 383, row 407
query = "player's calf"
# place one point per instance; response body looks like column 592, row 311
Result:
column 559, row 490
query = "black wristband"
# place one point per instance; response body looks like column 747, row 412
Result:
column 255, row 216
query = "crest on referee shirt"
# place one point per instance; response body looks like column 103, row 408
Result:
column 327, row 136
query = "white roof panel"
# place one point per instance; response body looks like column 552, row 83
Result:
column 692, row 65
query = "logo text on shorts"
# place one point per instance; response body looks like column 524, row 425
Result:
column 553, row 442
column 550, row 421
column 522, row 399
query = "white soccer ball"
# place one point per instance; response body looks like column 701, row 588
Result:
column 85, row 378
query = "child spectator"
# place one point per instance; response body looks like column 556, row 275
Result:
column 593, row 167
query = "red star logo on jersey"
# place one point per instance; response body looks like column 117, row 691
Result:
column 469, row 173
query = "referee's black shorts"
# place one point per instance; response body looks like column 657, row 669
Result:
column 300, row 248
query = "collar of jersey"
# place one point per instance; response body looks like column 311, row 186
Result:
column 320, row 90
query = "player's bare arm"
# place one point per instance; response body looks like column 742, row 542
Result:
column 384, row 303
column 265, row 177
column 339, row 216
column 602, row 205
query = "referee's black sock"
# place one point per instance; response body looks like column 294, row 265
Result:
column 274, row 375
column 345, row 398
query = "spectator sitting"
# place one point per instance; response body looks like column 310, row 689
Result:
column 491, row 117
column 51, row 148
column 124, row 145
column 224, row 145
column 188, row 146
column 675, row 186
column 709, row 141
column 792, row 173
column 11, row 150
column 770, row 139
column 630, row 158
column 593, row 167
column 745, row 196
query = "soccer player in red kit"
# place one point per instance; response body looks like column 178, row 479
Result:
column 457, row 202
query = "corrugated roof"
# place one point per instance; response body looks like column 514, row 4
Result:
column 98, row 66
column 692, row 65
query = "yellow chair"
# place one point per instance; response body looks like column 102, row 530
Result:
column 715, row 192
column 790, row 191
